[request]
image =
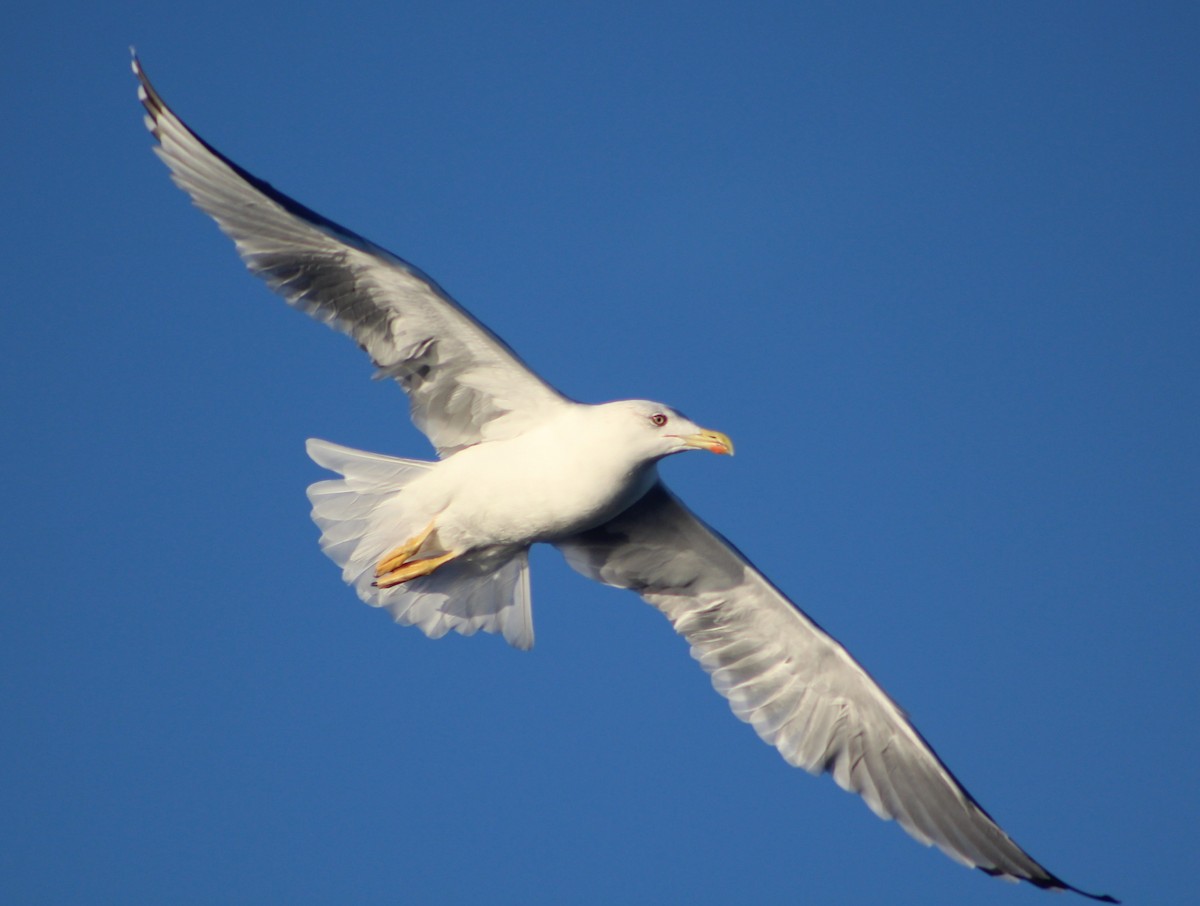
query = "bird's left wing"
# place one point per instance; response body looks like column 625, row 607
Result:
column 796, row 685
column 464, row 384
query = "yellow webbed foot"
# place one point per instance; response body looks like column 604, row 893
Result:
column 413, row 569
column 398, row 556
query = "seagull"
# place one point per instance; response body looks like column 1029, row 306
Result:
column 444, row 545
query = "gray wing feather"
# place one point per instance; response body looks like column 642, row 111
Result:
column 798, row 687
column 464, row 384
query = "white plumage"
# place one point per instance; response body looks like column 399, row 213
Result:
column 520, row 464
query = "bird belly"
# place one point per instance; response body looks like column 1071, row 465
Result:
column 502, row 494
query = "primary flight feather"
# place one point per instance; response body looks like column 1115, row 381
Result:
column 443, row 545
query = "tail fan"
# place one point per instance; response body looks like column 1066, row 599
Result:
column 362, row 516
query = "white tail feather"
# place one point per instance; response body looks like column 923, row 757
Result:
column 363, row 515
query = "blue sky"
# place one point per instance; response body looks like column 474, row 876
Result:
column 933, row 268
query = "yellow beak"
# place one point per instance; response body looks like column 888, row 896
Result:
column 712, row 441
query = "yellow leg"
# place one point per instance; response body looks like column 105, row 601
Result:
column 414, row 569
column 397, row 557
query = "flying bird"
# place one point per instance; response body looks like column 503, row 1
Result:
column 443, row 545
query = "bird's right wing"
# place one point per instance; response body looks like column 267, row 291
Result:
column 796, row 685
column 463, row 383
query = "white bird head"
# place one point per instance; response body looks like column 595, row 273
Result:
column 656, row 430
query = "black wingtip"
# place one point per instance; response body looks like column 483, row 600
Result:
column 1058, row 884
column 152, row 103
column 1050, row 882
column 1098, row 897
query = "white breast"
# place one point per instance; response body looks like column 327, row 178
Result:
column 562, row 477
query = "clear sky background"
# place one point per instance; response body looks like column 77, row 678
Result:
column 933, row 268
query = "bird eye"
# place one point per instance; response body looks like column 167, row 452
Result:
column 658, row 419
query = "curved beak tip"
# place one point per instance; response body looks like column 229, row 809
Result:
column 713, row 442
